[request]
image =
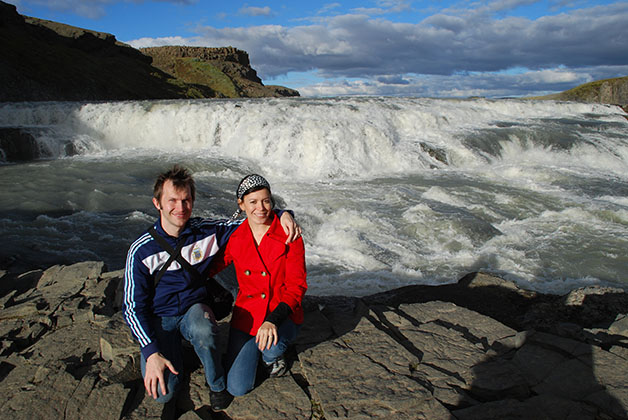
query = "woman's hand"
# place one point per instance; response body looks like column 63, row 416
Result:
column 266, row 336
column 290, row 226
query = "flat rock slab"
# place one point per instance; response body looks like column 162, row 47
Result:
column 348, row 384
column 56, row 394
column 276, row 398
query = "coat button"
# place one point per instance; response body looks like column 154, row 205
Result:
column 247, row 272
column 263, row 295
column 263, row 273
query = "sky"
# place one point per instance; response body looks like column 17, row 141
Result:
column 450, row 49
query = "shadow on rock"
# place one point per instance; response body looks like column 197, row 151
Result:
column 479, row 349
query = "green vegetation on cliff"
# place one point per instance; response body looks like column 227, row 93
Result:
column 50, row 61
column 225, row 70
column 608, row 91
column 194, row 70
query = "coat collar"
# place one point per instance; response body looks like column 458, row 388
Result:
column 276, row 230
column 273, row 244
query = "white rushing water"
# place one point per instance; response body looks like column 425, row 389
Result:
column 390, row 191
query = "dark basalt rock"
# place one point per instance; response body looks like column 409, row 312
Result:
column 17, row 145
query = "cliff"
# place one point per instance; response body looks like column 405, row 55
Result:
column 608, row 91
column 479, row 349
column 50, row 61
column 226, row 70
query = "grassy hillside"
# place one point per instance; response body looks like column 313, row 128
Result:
column 226, row 70
column 610, row 91
column 196, row 71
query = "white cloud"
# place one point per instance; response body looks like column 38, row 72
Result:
column 158, row 42
column 506, row 5
column 255, row 11
column 455, row 53
column 385, row 7
column 552, row 76
column 531, row 83
column 357, row 46
column 328, row 8
column 92, row 9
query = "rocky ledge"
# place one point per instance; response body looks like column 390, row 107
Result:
column 481, row 348
column 607, row 91
column 226, row 70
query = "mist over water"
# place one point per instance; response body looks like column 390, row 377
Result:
column 389, row 191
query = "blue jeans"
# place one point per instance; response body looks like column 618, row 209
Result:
column 199, row 327
column 243, row 356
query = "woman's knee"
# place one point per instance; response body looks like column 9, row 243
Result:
column 238, row 389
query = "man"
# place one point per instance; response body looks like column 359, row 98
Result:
column 160, row 315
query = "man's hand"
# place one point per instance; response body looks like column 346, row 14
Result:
column 266, row 336
column 156, row 365
column 292, row 229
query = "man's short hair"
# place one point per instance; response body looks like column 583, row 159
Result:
column 181, row 179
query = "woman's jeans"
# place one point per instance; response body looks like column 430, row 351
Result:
column 199, row 327
column 243, row 356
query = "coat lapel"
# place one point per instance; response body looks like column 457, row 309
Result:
column 273, row 245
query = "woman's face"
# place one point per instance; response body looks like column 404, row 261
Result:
column 258, row 206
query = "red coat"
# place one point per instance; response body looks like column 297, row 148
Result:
column 268, row 274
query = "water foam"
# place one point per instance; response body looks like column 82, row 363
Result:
column 389, row 191
column 318, row 139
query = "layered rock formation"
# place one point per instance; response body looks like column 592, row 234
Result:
column 50, row 61
column 478, row 349
column 226, row 70
column 609, row 91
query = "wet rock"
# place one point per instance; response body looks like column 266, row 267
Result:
column 17, row 145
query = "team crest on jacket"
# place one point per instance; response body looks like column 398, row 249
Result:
column 197, row 254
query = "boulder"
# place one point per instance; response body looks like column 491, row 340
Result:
column 18, row 145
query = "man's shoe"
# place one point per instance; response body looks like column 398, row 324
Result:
column 220, row 400
column 277, row 368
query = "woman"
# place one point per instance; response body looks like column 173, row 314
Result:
column 272, row 282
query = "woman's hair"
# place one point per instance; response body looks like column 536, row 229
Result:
column 249, row 184
column 180, row 177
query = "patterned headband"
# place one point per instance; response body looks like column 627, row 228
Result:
column 249, row 182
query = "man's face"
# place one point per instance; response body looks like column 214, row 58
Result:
column 175, row 208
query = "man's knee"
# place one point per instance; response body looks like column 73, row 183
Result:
column 163, row 399
column 172, row 387
column 201, row 323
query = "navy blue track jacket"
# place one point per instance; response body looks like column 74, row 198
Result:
column 176, row 290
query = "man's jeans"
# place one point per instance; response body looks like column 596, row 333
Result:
column 243, row 356
column 199, row 327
